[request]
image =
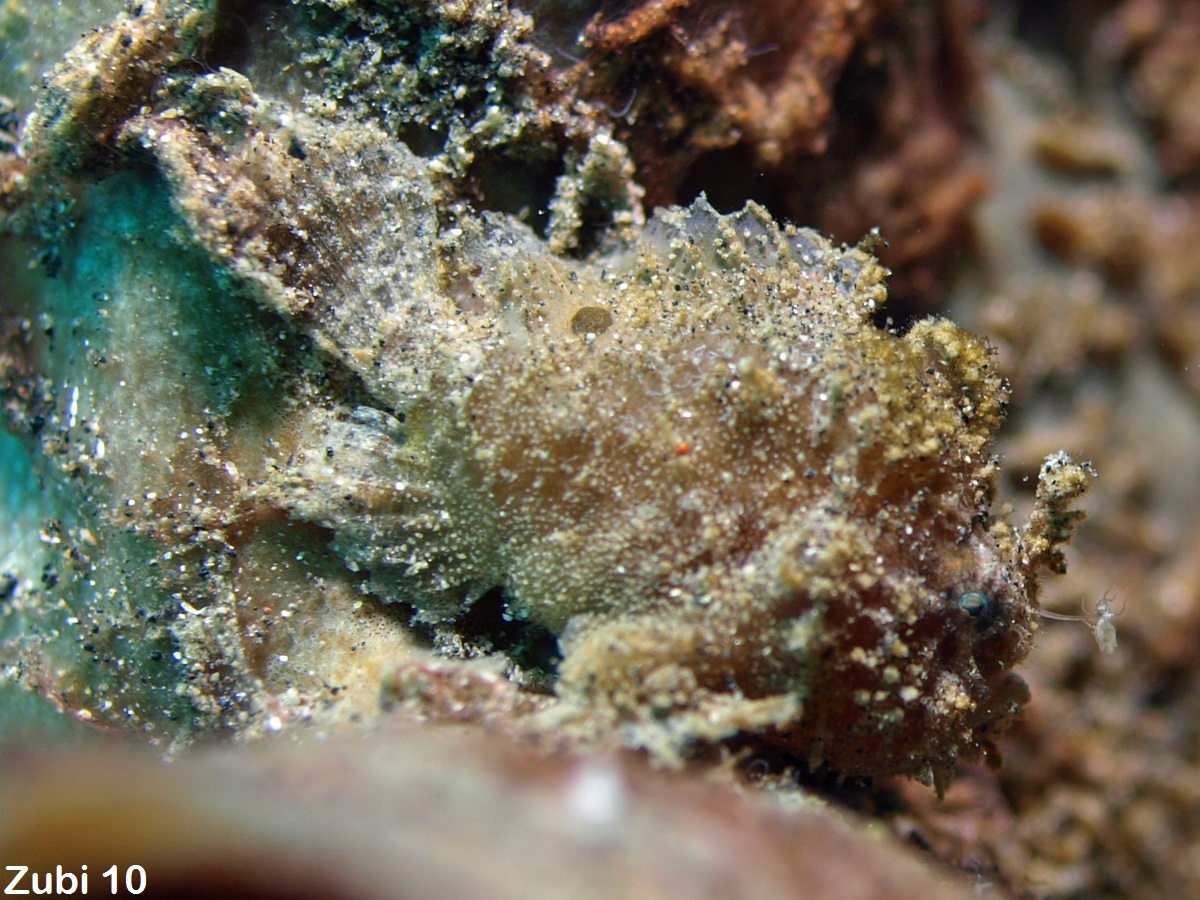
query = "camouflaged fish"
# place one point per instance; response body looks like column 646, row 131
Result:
column 739, row 504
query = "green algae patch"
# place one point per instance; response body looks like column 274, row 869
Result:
column 127, row 363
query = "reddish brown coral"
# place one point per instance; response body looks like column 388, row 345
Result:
column 848, row 115
column 1137, row 242
column 1161, row 37
column 768, row 70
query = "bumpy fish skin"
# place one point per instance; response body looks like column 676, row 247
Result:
column 738, row 504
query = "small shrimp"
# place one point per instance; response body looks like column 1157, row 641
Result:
column 1100, row 621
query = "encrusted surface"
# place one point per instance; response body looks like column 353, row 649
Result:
column 693, row 459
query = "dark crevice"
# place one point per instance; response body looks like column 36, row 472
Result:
column 488, row 627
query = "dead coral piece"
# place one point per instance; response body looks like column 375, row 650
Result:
column 1048, row 331
column 770, row 76
column 1106, row 227
column 916, row 190
column 848, row 116
column 445, row 812
column 1160, row 38
column 454, row 691
column 101, row 81
column 1140, row 244
column 467, row 79
column 1075, row 145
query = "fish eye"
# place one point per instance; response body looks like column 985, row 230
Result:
column 974, row 603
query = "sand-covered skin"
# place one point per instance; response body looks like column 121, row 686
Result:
column 738, row 504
